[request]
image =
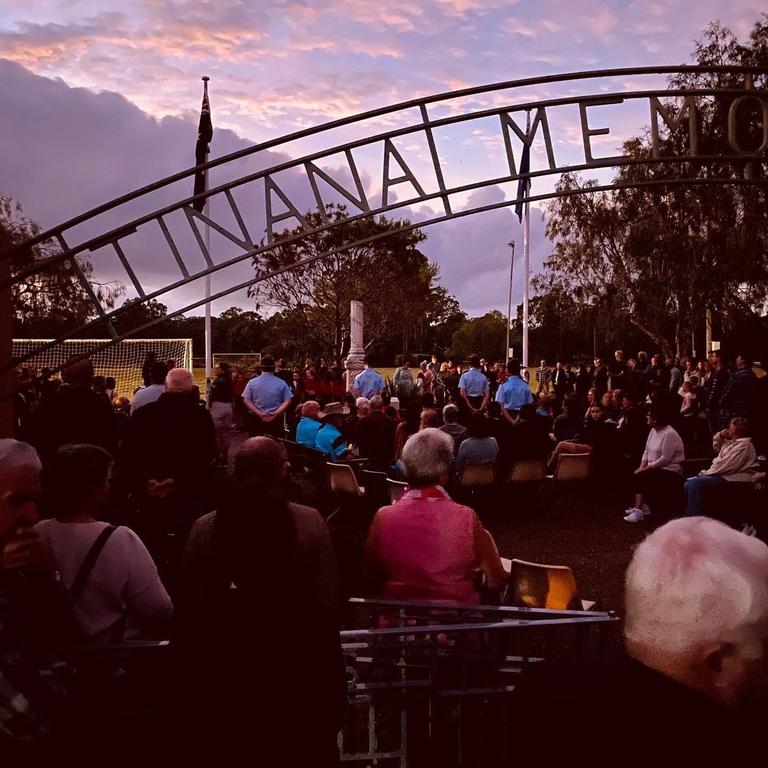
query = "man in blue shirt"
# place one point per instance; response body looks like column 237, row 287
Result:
column 514, row 393
column 309, row 424
column 368, row 383
column 473, row 387
column 329, row 439
column 267, row 397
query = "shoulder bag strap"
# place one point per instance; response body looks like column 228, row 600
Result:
column 78, row 585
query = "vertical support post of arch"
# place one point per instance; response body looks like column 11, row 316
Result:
column 6, row 344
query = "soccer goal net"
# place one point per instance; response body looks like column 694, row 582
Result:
column 123, row 360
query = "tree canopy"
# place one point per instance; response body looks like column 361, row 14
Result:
column 54, row 300
column 390, row 275
column 660, row 258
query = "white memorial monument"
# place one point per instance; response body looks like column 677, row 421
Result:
column 354, row 361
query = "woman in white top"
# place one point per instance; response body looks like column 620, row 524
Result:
column 121, row 595
column 659, row 478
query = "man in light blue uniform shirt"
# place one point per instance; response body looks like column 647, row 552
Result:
column 514, row 393
column 474, row 387
column 267, row 397
column 368, row 383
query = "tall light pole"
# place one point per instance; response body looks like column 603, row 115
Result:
column 509, row 302
column 526, row 250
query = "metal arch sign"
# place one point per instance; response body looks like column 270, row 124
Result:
column 668, row 111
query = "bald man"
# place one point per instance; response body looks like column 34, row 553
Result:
column 166, row 459
column 309, row 424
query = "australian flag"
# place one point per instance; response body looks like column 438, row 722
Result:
column 524, row 183
column 202, row 148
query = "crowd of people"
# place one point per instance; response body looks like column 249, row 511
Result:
column 137, row 517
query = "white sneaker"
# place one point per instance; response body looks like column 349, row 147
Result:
column 634, row 515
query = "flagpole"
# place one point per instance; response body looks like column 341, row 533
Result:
column 208, row 335
column 526, row 254
column 509, row 302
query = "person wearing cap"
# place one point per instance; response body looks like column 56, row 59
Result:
column 473, row 386
column 267, row 397
column 329, row 439
column 368, row 383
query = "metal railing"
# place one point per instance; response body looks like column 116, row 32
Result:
column 430, row 683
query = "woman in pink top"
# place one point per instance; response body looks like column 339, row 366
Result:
column 425, row 546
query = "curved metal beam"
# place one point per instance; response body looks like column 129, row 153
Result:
column 403, row 105
column 651, row 184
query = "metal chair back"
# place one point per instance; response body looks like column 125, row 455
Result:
column 527, row 471
column 396, row 489
column 573, row 466
column 477, row 475
column 341, row 478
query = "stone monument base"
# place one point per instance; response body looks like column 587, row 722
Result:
column 353, row 365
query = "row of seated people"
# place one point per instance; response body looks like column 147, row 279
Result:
column 638, row 452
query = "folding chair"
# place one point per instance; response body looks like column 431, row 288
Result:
column 343, row 482
column 534, row 585
column 527, row 471
column 572, row 468
column 396, row 489
column 477, row 475
column 376, row 487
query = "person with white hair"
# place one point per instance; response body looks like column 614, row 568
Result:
column 692, row 686
column 425, row 546
column 452, row 427
column 362, row 410
column 35, row 614
column 166, row 459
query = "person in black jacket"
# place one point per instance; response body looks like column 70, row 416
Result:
column 600, row 377
column 561, row 381
column 75, row 413
column 376, row 437
column 166, row 461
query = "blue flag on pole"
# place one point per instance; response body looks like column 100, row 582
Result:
column 524, row 183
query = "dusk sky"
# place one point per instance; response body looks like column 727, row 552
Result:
column 101, row 98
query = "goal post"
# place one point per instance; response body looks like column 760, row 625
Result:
column 122, row 360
